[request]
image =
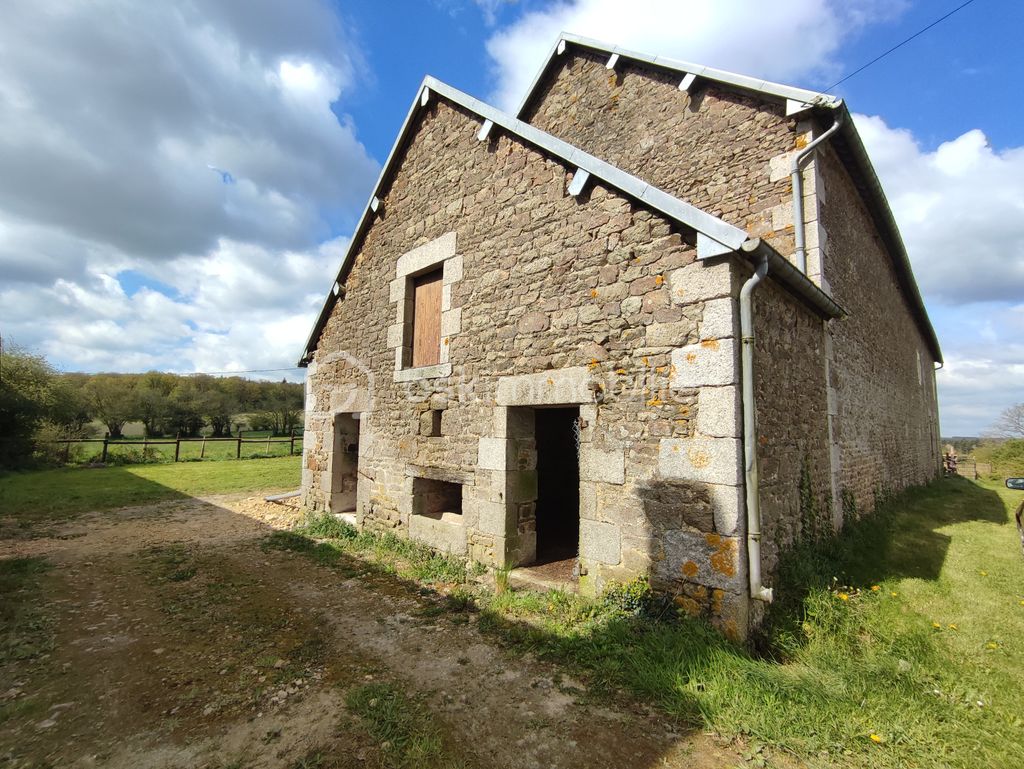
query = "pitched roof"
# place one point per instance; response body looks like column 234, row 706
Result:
column 847, row 144
column 714, row 236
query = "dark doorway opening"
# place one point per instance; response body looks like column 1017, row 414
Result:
column 558, row 484
column 345, row 463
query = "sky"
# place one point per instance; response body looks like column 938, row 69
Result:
column 178, row 180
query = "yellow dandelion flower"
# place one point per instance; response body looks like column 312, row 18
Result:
column 952, row 626
column 1022, row 603
column 991, row 645
column 876, row 738
column 937, row 626
column 983, row 573
column 843, row 596
column 875, row 588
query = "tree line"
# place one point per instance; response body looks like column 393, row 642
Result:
column 38, row 403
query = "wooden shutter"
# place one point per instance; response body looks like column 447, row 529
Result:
column 426, row 323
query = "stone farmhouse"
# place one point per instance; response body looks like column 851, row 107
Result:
column 659, row 322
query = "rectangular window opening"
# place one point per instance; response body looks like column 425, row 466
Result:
column 436, row 499
column 426, row 320
column 431, row 423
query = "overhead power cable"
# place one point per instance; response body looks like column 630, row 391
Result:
column 898, row 46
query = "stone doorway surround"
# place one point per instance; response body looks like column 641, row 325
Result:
column 506, row 491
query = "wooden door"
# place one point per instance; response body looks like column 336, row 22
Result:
column 426, row 323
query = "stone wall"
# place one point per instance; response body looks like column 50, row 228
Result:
column 711, row 146
column 589, row 301
column 792, row 423
column 882, row 373
column 729, row 154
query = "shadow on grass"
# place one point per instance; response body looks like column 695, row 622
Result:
column 834, row 674
column 901, row 539
column 828, row 670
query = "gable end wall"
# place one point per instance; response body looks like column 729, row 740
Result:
column 591, row 301
column 729, row 154
column 712, row 147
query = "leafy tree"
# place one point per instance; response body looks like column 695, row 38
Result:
column 219, row 408
column 282, row 407
column 70, row 411
column 152, row 407
column 26, row 400
column 185, row 417
column 1011, row 423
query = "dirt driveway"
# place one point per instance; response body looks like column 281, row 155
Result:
column 170, row 636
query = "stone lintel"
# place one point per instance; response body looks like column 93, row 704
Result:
column 426, row 256
column 423, row 372
column 548, row 388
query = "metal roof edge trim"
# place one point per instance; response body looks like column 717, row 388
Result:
column 798, row 284
column 891, row 235
column 745, row 82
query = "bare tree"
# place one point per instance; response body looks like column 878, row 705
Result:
column 1011, row 423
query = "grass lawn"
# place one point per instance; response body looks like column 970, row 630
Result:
column 898, row 644
column 57, row 494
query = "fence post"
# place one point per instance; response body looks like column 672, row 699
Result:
column 67, row 451
column 291, row 446
column 177, row 446
column 238, row 453
column 202, row 449
column 268, row 442
column 103, row 457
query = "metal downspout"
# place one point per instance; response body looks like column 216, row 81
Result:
column 757, row 590
column 798, row 193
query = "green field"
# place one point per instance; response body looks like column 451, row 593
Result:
column 140, row 450
column 65, row 492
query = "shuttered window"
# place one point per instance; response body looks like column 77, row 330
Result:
column 426, row 320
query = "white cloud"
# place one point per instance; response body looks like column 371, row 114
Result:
column 241, row 306
column 196, row 145
column 114, row 110
column 960, row 209
column 783, row 40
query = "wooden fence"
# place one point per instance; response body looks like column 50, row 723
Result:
column 145, row 443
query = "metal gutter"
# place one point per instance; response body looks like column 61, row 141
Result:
column 797, row 179
column 798, row 284
column 855, row 158
column 751, row 485
column 743, row 82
